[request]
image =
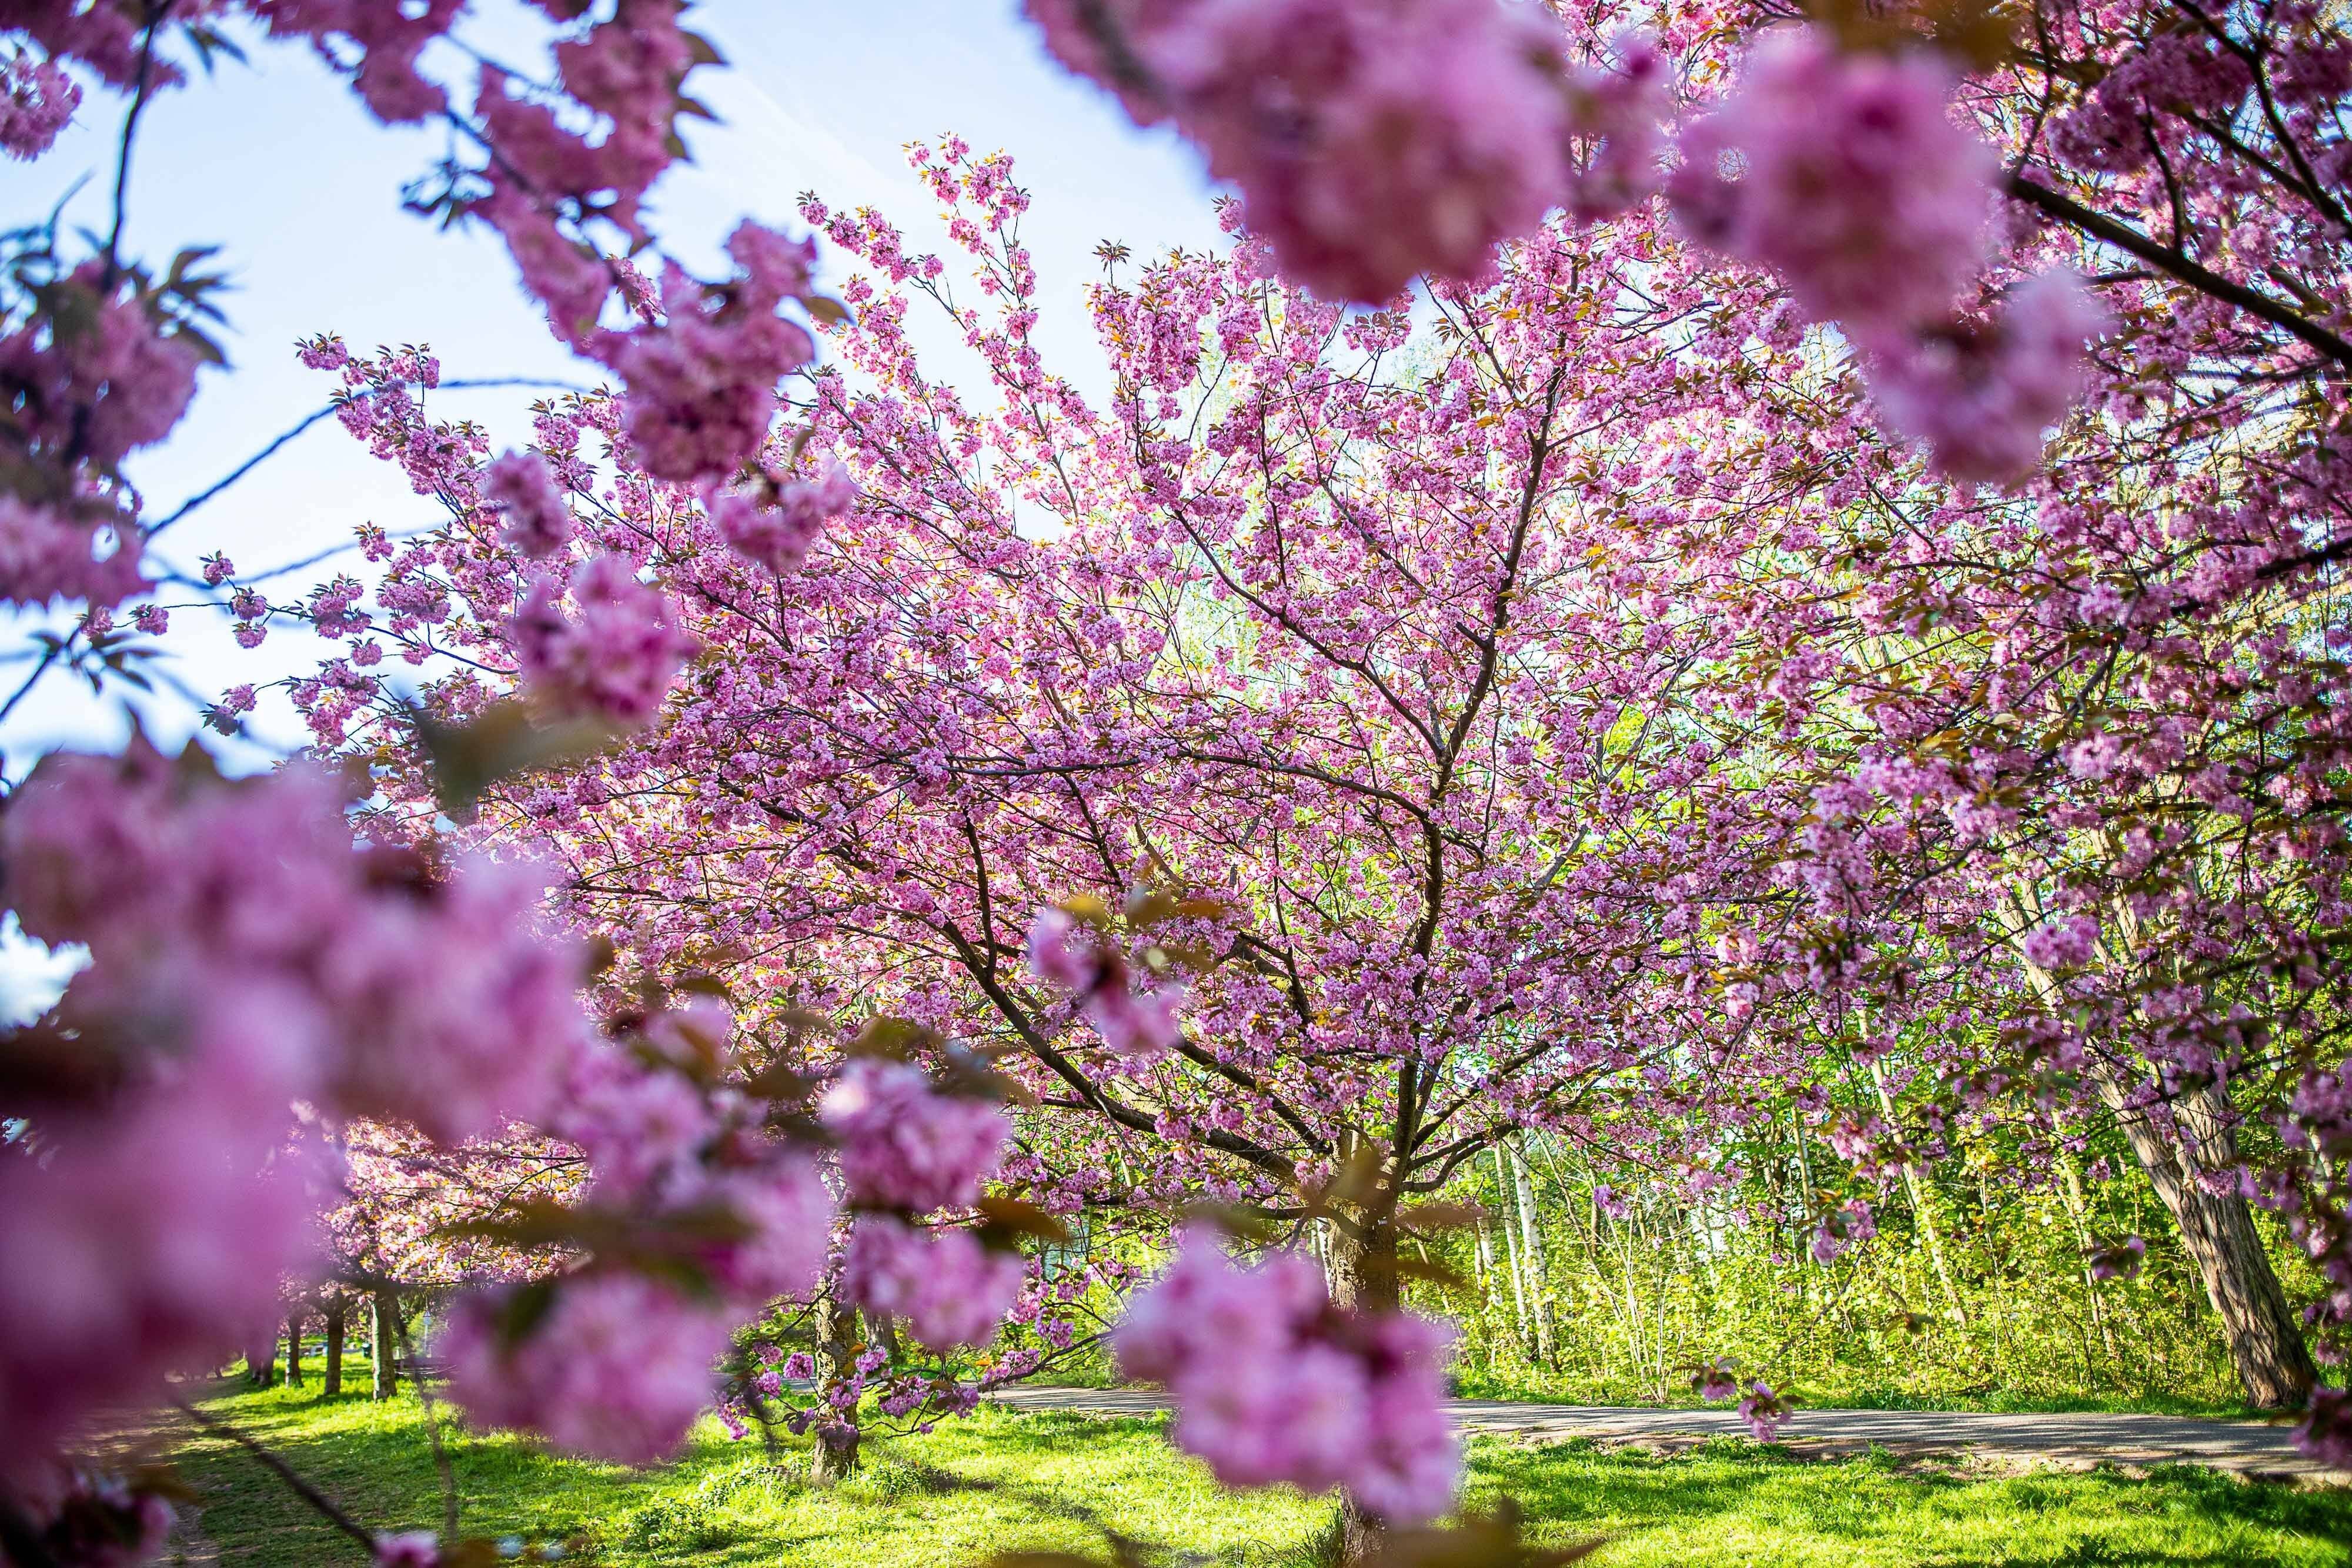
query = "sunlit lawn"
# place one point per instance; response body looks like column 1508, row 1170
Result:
column 1003, row 1481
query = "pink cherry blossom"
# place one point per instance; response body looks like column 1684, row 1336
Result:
column 538, row 523
column 151, row 1242
column 2063, row 943
column 903, row 1145
column 489, row 1037
column 2121, row 1261
column 1067, row 952
column 1845, row 1228
column 1372, row 139
column 2183, row 70
column 408, row 1549
column 39, row 101
column 1619, row 105
column 256, row 884
column 47, row 555
column 96, row 383
column 777, row 529
column 1202, row 1307
column 2327, row 1433
column 1273, row 1383
column 615, row 660
column 93, row 1519
column 1854, row 182
column 948, row 1287
column 788, row 1216
column 1766, row 1412
column 1982, row 397
column 702, row 382
column 617, row 1369
column 642, row 1131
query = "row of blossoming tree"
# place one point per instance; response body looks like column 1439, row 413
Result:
column 1659, row 569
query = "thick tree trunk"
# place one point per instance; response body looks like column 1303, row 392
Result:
column 383, row 1336
column 261, row 1362
column 2217, row 1231
column 294, row 1348
column 331, row 1381
column 836, row 1456
column 1363, row 1277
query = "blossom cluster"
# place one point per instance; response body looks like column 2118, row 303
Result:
column 774, row 522
column 1371, row 142
column 1274, row 1382
column 615, row 1358
column 907, row 1149
column 1845, row 172
column 905, row 1145
column 1075, row 955
column 96, row 375
column 614, row 661
column 244, row 956
column 41, row 102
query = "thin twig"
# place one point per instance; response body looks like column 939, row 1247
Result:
column 31, row 681
column 284, row 1472
column 266, row 453
column 141, row 91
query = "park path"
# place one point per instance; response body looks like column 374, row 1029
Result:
column 2248, row 1447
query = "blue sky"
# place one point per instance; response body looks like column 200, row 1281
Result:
column 277, row 164
column 280, row 166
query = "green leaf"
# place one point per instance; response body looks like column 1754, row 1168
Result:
column 500, row 742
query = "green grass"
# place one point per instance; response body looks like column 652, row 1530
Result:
column 1002, row 1481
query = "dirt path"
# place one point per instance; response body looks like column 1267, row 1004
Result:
column 2252, row 1448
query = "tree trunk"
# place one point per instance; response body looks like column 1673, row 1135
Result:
column 2079, row 1212
column 261, row 1362
column 1538, row 1284
column 2218, row 1233
column 294, row 1348
column 331, row 1381
column 836, row 1458
column 1923, row 1208
column 1363, row 1277
column 383, row 1336
column 1503, row 1207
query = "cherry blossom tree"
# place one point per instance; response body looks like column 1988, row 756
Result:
column 1549, row 700
column 2087, row 794
column 1312, row 768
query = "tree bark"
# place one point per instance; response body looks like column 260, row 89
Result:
column 383, row 1335
column 835, row 1456
column 294, row 1348
column 330, row 1380
column 261, row 1362
column 2079, row 1212
column 1364, row 1279
column 2218, row 1232
column 1923, row 1208
column 1511, row 1248
column 2217, row 1229
column 1538, row 1283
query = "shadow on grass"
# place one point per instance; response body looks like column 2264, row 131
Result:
column 1067, row 1481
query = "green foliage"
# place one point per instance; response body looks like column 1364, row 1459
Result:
column 1055, row 1481
column 1973, row 1295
